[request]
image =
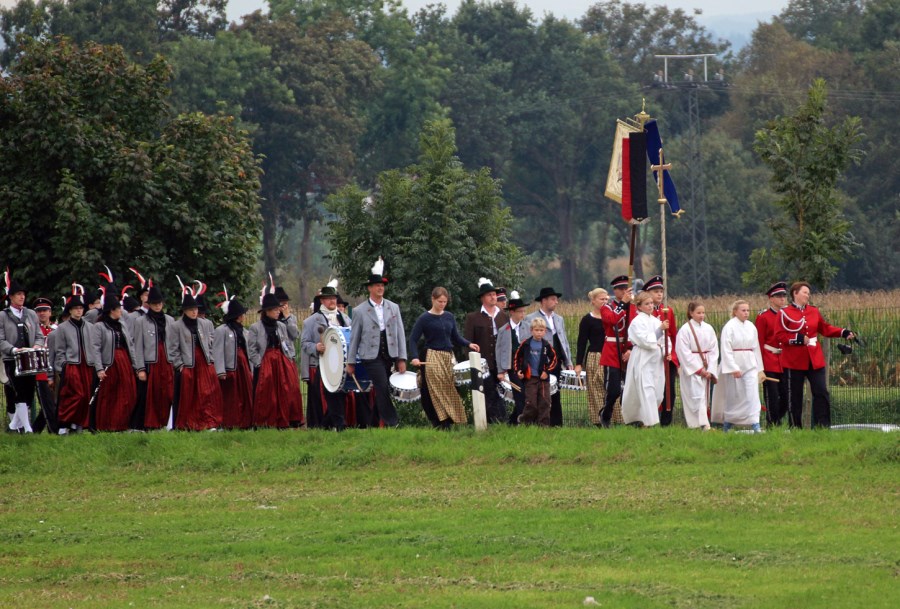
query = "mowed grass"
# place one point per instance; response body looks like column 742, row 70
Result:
column 416, row 518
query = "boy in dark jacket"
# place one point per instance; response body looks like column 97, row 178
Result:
column 534, row 360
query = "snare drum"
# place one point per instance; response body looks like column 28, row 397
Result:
column 461, row 375
column 333, row 364
column 570, row 382
column 505, row 390
column 554, row 385
column 404, row 387
column 32, row 361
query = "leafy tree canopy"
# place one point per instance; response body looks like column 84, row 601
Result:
column 94, row 171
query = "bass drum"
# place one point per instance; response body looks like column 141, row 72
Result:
column 333, row 364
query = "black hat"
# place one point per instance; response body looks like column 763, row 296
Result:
column 281, row 295
column 377, row 273
column 501, row 293
column 233, row 309
column 73, row 300
column 546, row 293
column 654, row 283
column 154, row 295
column 779, row 288
column 270, row 301
column 130, row 303
column 188, row 301
column 619, row 282
column 201, row 303
column 330, row 289
column 341, row 300
column 41, row 303
column 515, row 302
column 485, row 286
column 110, row 302
column 12, row 286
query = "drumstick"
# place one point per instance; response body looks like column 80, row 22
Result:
column 514, row 386
column 357, row 383
column 771, row 379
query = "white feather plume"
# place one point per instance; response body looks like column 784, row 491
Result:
column 378, row 267
column 513, row 295
column 483, row 280
column 333, row 284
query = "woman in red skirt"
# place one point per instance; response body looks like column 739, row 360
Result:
column 198, row 397
column 74, row 359
column 156, row 385
column 116, row 367
column 277, row 384
column 233, row 366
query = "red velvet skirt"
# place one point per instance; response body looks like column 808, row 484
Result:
column 350, row 409
column 237, row 395
column 200, row 397
column 117, row 394
column 277, row 397
column 75, row 394
column 160, row 390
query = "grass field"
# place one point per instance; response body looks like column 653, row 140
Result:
column 515, row 518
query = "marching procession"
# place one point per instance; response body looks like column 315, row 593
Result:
column 119, row 363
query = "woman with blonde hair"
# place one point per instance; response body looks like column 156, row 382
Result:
column 736, row 398
column 645, row 378
column 591, row 338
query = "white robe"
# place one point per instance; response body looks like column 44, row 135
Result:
column 695, row 389
column 736, row 401
column 645, row 377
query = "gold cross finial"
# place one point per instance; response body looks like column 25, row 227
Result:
column 659, row 176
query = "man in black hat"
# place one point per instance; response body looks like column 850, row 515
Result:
column 378, row 339
column 19, row 329
column 509, row 337
column 616, row 315
column 481, row 327
column 156, row 384
column 556, row 336
column 329, row 415
column 502, row 300
column 768, row 322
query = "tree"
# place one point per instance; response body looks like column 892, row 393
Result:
column 309, row 144
column 435, row 223
column 807, row 157
column 94, row 170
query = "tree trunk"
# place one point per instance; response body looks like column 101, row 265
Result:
column 566, row 243
column 270, row 235
column 304, row 272
column 600, row 254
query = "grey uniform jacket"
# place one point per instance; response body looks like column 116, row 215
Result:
column 9, row 331
column 91, row 315
column 66, row 349
column 256, row 343
column 313, row 328
column 365, row 335
column 225, row 349
column 145, row 340
column 504, row 350
column 565, row 358
column 180, row 343
column 292, row 330
column 105, row 342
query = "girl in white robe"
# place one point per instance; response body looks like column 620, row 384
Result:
column 698, row 362
column 645, row 377
column 736, row 398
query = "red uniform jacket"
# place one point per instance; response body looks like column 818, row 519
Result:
column 793, row 324
column 615, row 315
column 767, row 324
column 671, row 332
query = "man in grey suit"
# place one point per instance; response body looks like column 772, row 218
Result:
column 377, row 337
column 556, row 335
column 19, row 329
